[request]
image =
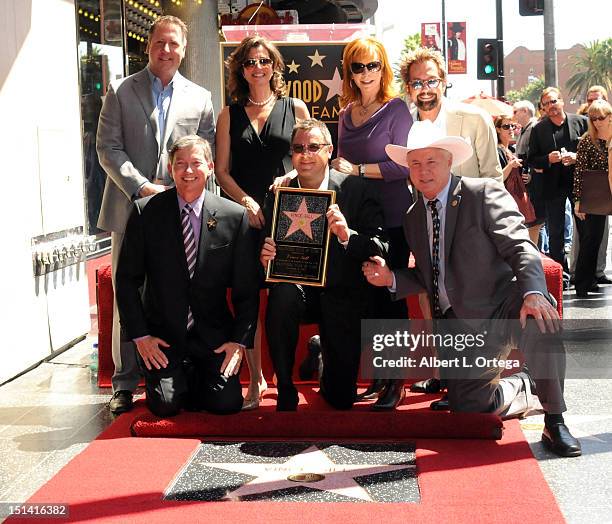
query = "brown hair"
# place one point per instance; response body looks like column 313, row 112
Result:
column 598, row 89
column 309, row 124
column 497, row 122
column 190, row 141
column 420, row 55
column 550, row 90
column 362, row 46
column 168, row 19
column 237, row 85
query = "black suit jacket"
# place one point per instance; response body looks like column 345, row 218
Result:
column 154, row 290
column 364, row 217
column 541, row 143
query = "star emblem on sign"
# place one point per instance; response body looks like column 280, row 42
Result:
column 301, row 220
column 314, row 466
column 334, row 86
column 317, row 59
column 293, row 67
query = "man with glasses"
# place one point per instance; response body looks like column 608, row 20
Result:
column 356, row 224
column 552, row 148
column 142, row 116
column 424, row 75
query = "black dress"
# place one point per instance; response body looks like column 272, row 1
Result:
column 258, row 158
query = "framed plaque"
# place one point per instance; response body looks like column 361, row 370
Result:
column 301, row 235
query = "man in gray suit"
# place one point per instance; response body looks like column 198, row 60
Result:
column 142, row 116
column 475, row 261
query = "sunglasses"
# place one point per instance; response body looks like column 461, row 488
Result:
column 550, row 103
column 357, row 67
column 432, row 83
column 298, row 149
column 505, row 127
column 599, row 118
column 252, row 62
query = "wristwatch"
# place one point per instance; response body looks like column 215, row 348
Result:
column 362, row 170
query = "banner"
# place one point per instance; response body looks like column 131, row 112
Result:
column 457, row 59
column 430, row 36
column 313, row 73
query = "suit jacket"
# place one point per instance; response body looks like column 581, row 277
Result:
column 128, row 142
column 364, row 217
column 486, row 246
column 153, row 257
column 470, row 122
column 541, row 143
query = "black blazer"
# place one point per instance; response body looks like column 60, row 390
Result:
column 364, row 217
column 153, row 258
column 541, row 143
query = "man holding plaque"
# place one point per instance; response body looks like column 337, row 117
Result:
column 355, row 223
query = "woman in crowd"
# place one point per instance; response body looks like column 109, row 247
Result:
column 591, row 156
column 513, row 179
column 372, row 117
column 252, row 146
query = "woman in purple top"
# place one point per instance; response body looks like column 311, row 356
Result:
column 372, row 118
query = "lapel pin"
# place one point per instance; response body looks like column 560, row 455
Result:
column 211, row 223
column 454, row 203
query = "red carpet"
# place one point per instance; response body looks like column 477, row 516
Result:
column 315, row 420
column 123, row 479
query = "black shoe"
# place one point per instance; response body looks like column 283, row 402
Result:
column 391, row 396
column 558, row 439
column 582, row 294
column 440, row 405
column 288, row 398
column 374, row 389
column 603, row 279
column 594, row 288
column 310, row 364
column 121, row 402
column 431, row 385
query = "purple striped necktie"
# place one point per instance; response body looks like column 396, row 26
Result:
column 191, row 252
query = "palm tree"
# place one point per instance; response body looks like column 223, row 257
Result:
column 591, row 68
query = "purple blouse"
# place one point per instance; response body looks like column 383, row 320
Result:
column 366, row 145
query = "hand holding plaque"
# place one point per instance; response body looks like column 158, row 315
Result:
column 301, row 236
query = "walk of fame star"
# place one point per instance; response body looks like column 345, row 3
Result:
column 337, row 478
column 301, row 220
column 334, row 85
column 293, row 67
column 317, row 59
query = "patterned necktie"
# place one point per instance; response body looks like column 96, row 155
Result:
column 190, row 250
column 435, row 255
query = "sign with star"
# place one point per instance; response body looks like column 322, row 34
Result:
column 301, row 235
column 299, row 472
column 313, row 73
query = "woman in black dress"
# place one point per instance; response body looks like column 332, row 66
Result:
column 252, row 146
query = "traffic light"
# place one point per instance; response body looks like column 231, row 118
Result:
column 531, row 7
column 488, row 59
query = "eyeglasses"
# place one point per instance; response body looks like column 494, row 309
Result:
column 357, row 67
column 599, row 118
column 550, row 102
column 432, row 83
column 298, row 149
column 252, row 62
column 505, row 127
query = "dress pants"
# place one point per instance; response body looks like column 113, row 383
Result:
column 192, row 380
column 339, row 313
column 590, row 231
column 482, row 390
column 127, row 373
column 555, row 224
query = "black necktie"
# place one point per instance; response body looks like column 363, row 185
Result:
column 435, row 255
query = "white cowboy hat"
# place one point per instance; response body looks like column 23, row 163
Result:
column 424, row 133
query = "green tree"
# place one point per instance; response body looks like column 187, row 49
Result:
column 529, row 92
column 591, row 68
column 411, row 43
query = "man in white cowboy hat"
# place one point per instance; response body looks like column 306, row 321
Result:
column 475, row 261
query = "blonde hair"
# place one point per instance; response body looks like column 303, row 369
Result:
column 599, row 107
column 362, row 46
column 418, row 56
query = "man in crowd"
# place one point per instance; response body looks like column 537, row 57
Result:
column 142, row 116
column 455, row 219
column 184, row 248
column 356, row 225
column 424, row 74
column 552, row 148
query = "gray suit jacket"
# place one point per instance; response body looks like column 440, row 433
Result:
column 470, row 122
column 128, row 142
column 486, row 246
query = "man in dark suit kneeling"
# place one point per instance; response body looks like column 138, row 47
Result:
column 182, row 249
